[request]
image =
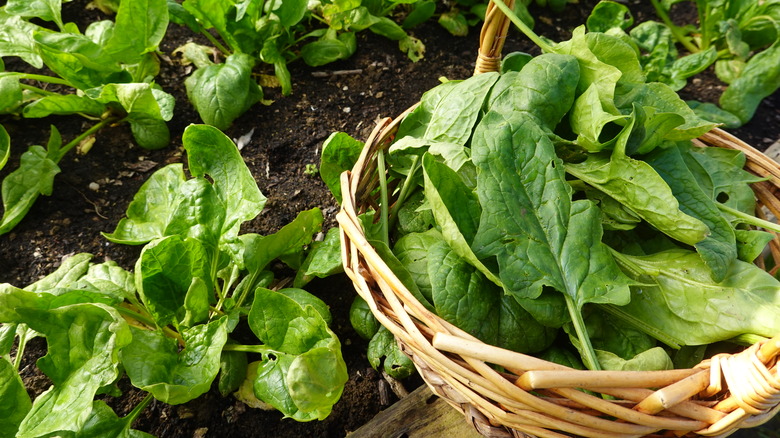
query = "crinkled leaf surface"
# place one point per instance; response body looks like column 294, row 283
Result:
column 222, row 92
column 283, row 324
column 636, row 185
column 16, row 38
column 719, row 248
column 340, row 152
column 464, row 297
column 456, row 209
column 146, row 21
column 529, row 222
column 681, row 301
column 20, row 189
column 79, row 60
column 164, row 274
column 83, row 344
column 154, row 364
column 151, row 209
column 212, row 153
column 544, row 89
column 448, row 113
column 14, row 401
column 306, row 374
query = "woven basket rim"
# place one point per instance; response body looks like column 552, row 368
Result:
column 453, row 363
column 537, row 397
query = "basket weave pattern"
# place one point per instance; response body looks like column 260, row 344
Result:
column 535, row 398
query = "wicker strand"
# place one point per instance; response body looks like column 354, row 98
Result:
column 535, row 398
column 491, row 39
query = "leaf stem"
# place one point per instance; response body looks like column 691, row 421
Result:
column 20, row 348
column 259, row 349
column 143, row 319
column 133, row 415
column 225, row 51
column 750, row 220
column 44, row 78
column 747, row 339
column 223, row 291
column 588, row 354
column 38, row 90
column 522, row 26
column 73, row 143
column 678, row 35
column 405, row 190
column 643, row 326
column 383, row 197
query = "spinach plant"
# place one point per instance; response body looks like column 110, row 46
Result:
column 104, row 74
column 564, row 194
column 275, row 33
column 170, row 324
column 741, row 39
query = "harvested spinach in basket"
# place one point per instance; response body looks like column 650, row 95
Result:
column 569, row 203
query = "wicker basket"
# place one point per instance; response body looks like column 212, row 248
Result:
column 532, row 397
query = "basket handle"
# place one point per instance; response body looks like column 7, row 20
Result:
column 492, row 37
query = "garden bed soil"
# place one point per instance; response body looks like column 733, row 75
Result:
column 279, row 141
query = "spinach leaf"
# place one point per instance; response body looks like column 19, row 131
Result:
column 47, row 10
column 718, row 249
column 454, row 116
column 150, row 211
column 456, row 210
column 303, row 374
column 448, row 112
column 544, row 89
column 154, row 364
column 14, row 401
column 759, row 79
column 63, row 105
column 591, row 123
column 663, row 99
column 174, row 280
column 607, row 15
column 362, row 320
column 103, row 421
column 383, row 350
column 711, row 112
column 340, row 152
column 464, row 297
column 323, row 259
column 539, row 236
column 222, row 92
column 79, row 60
column 212, row 153
column 232, row 371
column 34, row 177
column 286, row 244
column 593, row 71
column 653, row 359
column 720, row 173
column 679, row 301
column 412, row 252
column 83, row 342
column 635, row 184
column 18, row 39
column 147, row 109
column 146, row 21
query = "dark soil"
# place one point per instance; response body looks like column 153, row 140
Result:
column 378, row 81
